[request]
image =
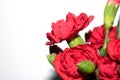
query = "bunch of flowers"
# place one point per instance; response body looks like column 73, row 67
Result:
column 96, row 58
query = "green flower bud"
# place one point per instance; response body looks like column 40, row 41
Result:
column 76, row 41
column 109, row 14
column 86, row 66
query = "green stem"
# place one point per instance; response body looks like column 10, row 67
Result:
column 106, row 39
column 118, row 35
column 103, row 50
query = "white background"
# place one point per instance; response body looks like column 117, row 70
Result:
column 23, row 28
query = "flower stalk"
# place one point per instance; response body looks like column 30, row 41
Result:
column 106, row 39
column 103, row 50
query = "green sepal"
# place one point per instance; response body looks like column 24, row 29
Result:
column 86, row 66
column 109, row 14
column 51, row 58
column 103, row 51
column 77, row 40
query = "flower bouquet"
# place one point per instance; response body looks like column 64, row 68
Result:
column 95, row 58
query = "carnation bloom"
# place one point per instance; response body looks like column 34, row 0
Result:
column 65, row 30
column 114, row 49
column 66, row 62
column 97, row 36
column 107, row 69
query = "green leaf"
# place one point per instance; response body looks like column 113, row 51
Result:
column 51, row 58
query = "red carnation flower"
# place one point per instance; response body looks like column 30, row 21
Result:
column 114, row 49
column 65, row 30
column 107, row 69
column 66, row 62
column 97, row 36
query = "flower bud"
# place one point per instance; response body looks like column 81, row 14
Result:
column 75, row 41
column 86, row 66
column 110, row 12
